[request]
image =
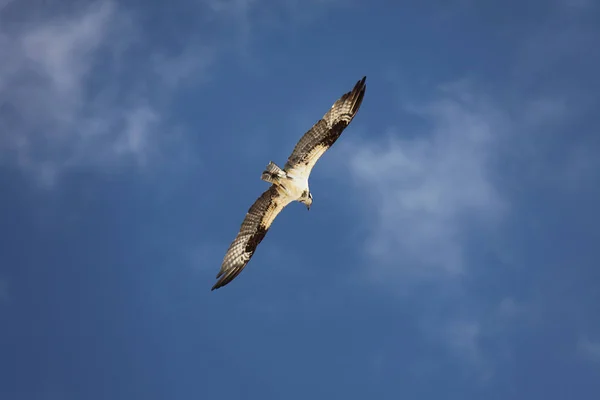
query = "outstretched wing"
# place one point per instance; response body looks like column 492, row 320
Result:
column 254, row 228
column 326, row 131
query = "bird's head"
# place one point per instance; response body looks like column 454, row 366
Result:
column 307, row 199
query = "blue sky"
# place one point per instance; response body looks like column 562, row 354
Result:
column 449, row 252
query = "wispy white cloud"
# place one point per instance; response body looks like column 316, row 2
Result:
column 73, row 93
column 86, row 86
column 426, row 191
column 431, row 195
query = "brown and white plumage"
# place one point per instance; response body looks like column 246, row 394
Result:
column 257, row 222
column 318, row 139
column 289, row 183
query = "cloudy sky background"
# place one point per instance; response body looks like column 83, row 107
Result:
column 449, row 252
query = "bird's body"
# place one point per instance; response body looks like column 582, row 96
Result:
column 293, row 185
column 290, row 183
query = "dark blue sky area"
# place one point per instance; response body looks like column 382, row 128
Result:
column 450, row 251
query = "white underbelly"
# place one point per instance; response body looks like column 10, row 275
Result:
column 295, row 187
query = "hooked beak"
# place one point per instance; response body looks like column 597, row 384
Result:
column 308, row 207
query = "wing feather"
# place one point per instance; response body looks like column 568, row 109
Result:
column 255, row 226
column 322, row 135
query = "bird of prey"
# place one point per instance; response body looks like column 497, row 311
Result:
column 290, row 183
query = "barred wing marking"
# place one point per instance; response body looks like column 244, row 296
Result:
column 256, row 224
column 326, row 131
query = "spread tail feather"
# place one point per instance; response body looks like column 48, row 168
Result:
column 272, row 173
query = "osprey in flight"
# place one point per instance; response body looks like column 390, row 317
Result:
column 289, row 183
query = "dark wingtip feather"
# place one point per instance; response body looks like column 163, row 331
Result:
column 225, row 279
column 360, row 85
column 358, row 93
column 222, row 279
